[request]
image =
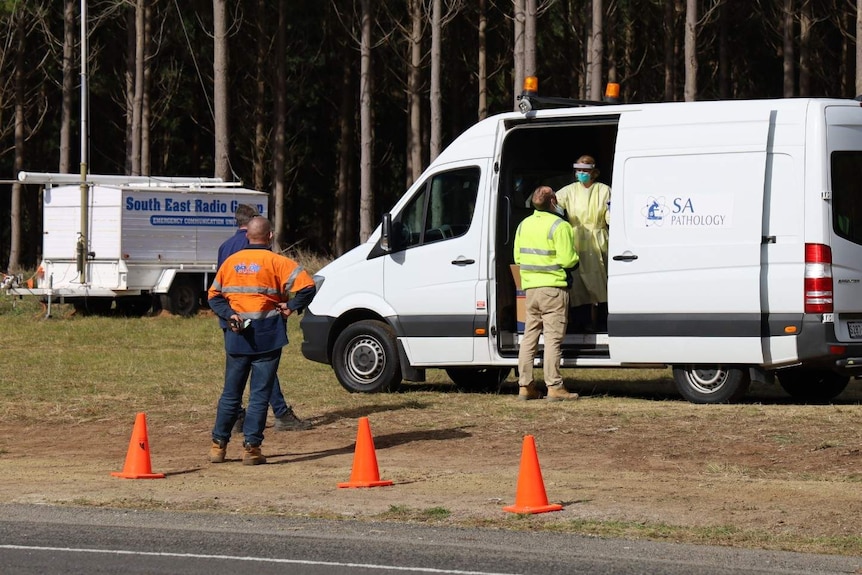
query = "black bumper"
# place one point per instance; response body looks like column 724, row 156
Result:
column 818, row 347
column 315, row 337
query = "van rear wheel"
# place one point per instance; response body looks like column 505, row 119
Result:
column 478, row 379
column 365, row 357
column 711, row 383
column 815, row 385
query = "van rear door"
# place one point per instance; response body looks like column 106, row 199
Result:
column 844, row 147
column 686, row 229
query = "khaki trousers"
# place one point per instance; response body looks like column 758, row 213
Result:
column 548, row 313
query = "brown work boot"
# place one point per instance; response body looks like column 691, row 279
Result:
column 252, row 455
column 560, row 393
column 527, row 392
column 218, row 451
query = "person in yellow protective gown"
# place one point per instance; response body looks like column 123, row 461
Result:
column 587, row 204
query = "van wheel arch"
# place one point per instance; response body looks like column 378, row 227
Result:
column 365, row 357
column 711, row 383
column 813, row 385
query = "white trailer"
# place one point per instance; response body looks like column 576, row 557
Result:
column 149, row 240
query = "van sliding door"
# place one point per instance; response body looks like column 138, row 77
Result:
column 686, row 229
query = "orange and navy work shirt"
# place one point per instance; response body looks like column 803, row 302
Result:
column 250, row 283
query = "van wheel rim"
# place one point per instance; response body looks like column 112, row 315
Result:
column 366, row 358
column 707, row 380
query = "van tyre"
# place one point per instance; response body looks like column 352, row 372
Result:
column 365, row 357
column 711, row 383
column 813, row 385
column 478, row 379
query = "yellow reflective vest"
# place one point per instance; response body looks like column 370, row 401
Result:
column 544, row 250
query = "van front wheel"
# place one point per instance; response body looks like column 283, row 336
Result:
column 711, row 383
column 365, row 357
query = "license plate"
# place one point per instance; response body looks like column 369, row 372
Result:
column 855, row 328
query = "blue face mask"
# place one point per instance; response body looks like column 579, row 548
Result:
column 583, row 177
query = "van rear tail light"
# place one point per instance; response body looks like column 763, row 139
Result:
column 818, row 278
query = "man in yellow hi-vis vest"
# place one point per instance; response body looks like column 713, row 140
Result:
column 544, row 250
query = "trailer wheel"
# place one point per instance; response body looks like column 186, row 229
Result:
column 711, row 383
column 478, row 379
column 182, row 299
column 814, row 385
column 365, row 357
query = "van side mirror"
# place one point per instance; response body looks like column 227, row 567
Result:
column 386, row 233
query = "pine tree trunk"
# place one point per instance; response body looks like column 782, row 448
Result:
column 279, row 151
column 483, row 62
column 530, row 38
column 220, row 93
column 805, row 24
column 146, row 112
column 344, row 212
column 414, row 94
column 690, row 92
column 366, row 195
column 669, row 45
column 15, row 208
column 260, row 116
column 436, row 99
column 518, row 75
column 65, row 164
column 137, row 102
column 787, row 49
column 596, row 51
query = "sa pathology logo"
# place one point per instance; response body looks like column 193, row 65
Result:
column 655, row 211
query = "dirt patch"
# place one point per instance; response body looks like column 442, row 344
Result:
column 763, row 473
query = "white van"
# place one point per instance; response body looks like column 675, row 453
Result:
column 735, row 250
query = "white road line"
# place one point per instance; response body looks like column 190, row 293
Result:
column 256, row 559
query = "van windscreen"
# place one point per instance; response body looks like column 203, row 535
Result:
column 847, row 195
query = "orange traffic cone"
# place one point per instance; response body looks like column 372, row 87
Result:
column 365, row 472
column 138, row 456
column 531, row 496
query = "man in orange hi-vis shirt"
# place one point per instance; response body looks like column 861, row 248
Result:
column 251, row 292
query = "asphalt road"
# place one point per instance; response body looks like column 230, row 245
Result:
column 48, row 539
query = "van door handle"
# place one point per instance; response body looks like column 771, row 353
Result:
column 463, row 262
column 625, row 258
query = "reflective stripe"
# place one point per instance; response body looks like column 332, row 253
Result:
column 250, row 289
column 258, row 314
column 538, row 252
column 534, row 268
column 554, row 227
column 288, row 285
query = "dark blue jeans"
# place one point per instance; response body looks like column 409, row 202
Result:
column 276, row 399
column 262, row 368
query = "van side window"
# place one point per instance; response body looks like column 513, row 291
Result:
column 847, row 195
column 442, row 210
